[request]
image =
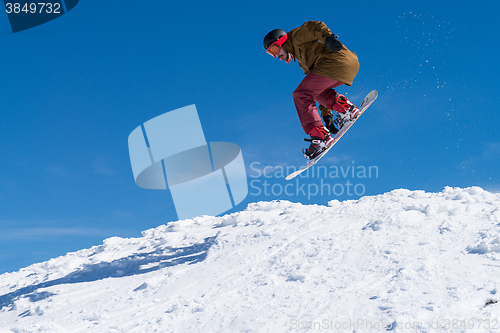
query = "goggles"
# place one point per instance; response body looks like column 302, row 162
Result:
column 275, row 47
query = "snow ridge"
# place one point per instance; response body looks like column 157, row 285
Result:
column 406, row 260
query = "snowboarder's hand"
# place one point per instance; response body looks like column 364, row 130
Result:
column 333, row 43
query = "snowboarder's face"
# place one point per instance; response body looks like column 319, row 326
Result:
column 282, row 54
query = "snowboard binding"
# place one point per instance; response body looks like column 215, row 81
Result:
column 317, row 146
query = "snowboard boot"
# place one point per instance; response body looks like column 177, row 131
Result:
column 346, row 110
column 320, row 140
column 329, row 124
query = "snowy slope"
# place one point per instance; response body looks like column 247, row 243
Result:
column 403, row 261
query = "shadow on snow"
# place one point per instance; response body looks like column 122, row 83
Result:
column 140, row 263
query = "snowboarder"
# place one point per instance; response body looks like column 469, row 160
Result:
column 327, row 64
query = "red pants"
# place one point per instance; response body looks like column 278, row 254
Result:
column 314, row 88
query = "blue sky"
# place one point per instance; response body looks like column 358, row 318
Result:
column 74, row 88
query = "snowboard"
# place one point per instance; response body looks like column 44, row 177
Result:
column 372, row 96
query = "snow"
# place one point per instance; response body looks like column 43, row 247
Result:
column 403, row 261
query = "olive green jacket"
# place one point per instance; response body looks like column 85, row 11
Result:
column 306, row 44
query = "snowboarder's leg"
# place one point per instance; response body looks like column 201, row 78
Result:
column 327, row 100
column 335, row 101
column 305, row 97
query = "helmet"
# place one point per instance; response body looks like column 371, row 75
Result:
column 273, row 36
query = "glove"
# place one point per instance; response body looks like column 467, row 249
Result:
column 333, row 43
column 330, row 125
